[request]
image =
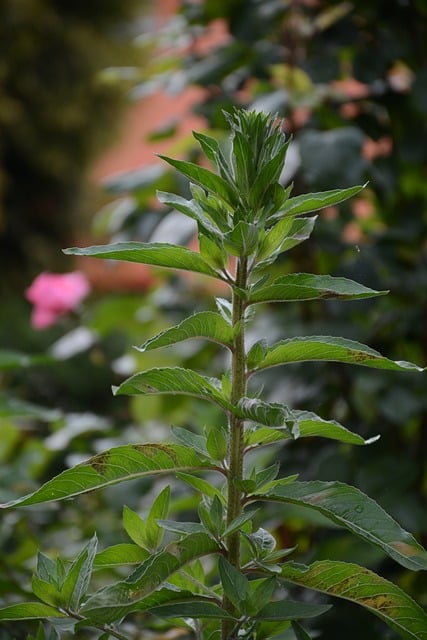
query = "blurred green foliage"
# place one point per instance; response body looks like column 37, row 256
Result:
column 351, row 81
column 57, row 111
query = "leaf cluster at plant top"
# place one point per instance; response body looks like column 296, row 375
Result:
column 246, row 219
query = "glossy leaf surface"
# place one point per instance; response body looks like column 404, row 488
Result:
column 353, row 510
column 327, row 348
column 170, row 256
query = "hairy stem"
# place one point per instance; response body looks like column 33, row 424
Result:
column 236, row 428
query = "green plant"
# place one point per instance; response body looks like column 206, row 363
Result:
column 246, row 219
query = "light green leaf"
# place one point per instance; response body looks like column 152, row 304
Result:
column 190, row 439
column 29, row 611
column 217, row 443
column 353, row 510
column 206, row 324
column 327, row 348
column 47, row 592
column 290, row 610
column 204, row 178
column 195, row 610
column 182, row 527
column 120, row 554
column 205, row 487
column 191, row 209
column 362, row 586
column 305, row 286
column 309, row 202
column 308, row 424
column 158, row 254
column 115, row 601
column 76, row 583
column 175, row 381
column 159, row 509
column 122, row 463
column 242, row 240
column 135, row 527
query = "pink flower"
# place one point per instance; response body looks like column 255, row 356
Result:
column 55, row 294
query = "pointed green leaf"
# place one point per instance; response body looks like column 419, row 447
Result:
column 191, row 440
column 191, row 209
column 308, row 424
column 158, row 254
column 47, row 592
column 120, row 554
column 235, row 584
column 159, row 509
column 305, row 286
column 195, row 610
column 262, row 593
column 115, row 601
column 309, row 202
column 213, row 252
column 182, row 527
column 174, row 380
column 362, row 586
column 205, row 487
column 76, row 582
column 212, row 151
column 217, row 443
column 290, row 610
column 237, row 523
column 206, row 324
column 122, row 463
column 135, row 527
column 327, row 348
column 242, row 240
column 29, row 611
column 204, row 178
column 353, row 510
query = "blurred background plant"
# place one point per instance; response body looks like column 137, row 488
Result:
column 350, row 79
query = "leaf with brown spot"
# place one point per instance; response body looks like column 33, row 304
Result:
column 330, row 349
column 363, row 587
column 116, row 465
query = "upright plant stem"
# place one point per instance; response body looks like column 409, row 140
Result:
column 236, row 427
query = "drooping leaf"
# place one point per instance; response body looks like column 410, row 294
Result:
column 350, row 508
column 309, row 202
column 308, row 424
column 362, row 586
column 119, row 464
column 174, row 380
column 327, row 348
column 305, row 286
column 115, row 601
column 290, row 610
column 30, row 611
column 206, row 324
column 158, row 254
